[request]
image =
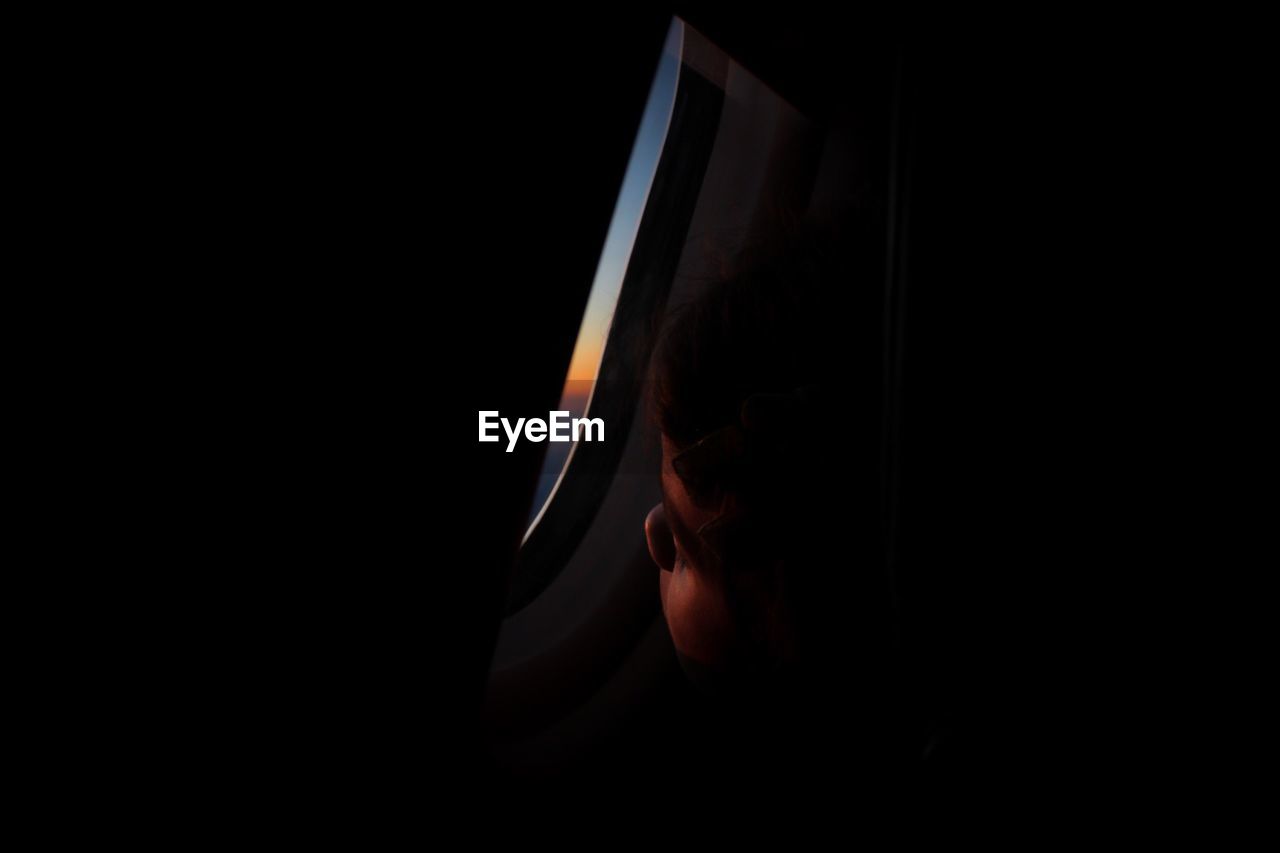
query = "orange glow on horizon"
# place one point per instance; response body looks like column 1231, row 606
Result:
column 585, row 362
column 576, row 391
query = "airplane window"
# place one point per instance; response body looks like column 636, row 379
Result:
column 722, row 164
column 587, row 352
column 718, row 156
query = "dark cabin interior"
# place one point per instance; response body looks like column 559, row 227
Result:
column 416, row 217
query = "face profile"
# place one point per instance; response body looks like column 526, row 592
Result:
column 730, row 393
column 693, row 583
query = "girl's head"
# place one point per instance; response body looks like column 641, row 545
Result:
column 736, row 385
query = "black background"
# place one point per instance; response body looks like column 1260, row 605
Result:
column 348, row 240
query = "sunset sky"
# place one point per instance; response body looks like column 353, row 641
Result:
column 613, row 260
column 626, row 214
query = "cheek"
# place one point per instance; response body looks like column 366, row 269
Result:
column 696, row 615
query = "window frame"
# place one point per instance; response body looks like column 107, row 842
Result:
column 618, row 391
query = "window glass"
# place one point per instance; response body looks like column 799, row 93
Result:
column 580, row 381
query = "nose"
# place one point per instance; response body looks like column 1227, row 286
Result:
column 662, row 544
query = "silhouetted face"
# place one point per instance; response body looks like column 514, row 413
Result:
column 693, row 582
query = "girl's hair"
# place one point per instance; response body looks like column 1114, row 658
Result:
column 736, row 382
column 755, row 331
